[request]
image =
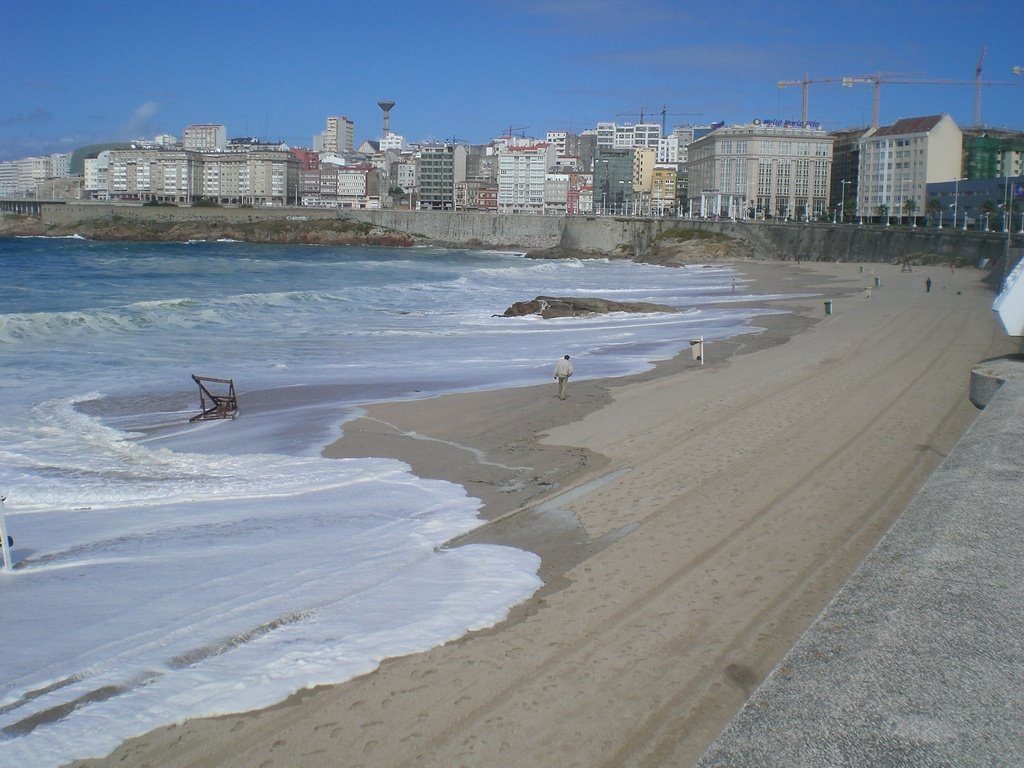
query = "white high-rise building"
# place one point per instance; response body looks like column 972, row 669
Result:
column 521, row 173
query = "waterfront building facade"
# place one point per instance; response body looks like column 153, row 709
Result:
column 845, row 172
column 439, row 167
column 898, row 161
column 765, row 169
column 613, row 181
column 153, row 175
column 664, row 191
column 522, row 169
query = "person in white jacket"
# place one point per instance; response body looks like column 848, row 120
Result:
column 563, row 370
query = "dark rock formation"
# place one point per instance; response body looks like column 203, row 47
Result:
column 576, row 306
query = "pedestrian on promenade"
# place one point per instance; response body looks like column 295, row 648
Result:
column 928, row 285
column 563, row 370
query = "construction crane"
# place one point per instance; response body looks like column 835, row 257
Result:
column 977, row 86
column 630, row 114
column 512, row 135
column 664, row 112
column 805, row 84
column 877, row 79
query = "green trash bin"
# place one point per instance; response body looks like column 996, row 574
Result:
column 828, row 307
column 878, row 281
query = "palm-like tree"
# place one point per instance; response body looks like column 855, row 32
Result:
column 910, row 208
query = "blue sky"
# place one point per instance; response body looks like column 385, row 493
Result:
column 77, row 73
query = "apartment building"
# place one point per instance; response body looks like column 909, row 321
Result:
column 153, row 175
column 95, row 184
column 556, row 194
column 205, row 136
column 522, row 169
column 476, row 195
column 338, row 136
column 644, row 160
column 564, row 143
column 20, row 178
column 348, row 186
column 765, row 169
column 440, row 166
column 611, row 135
column 664, row 191
column 898, row 161
column 256, row 177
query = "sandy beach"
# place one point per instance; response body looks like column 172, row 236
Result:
column 691, row 520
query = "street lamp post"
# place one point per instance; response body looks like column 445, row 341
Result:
column 956, row 201
column 842, row 200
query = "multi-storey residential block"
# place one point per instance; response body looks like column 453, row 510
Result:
column 476, row 195
column 614, row 136
column 522, row 169
column 897, row 162
column 257, row 177
column 644, row 159
column 338, row 136
column 556, row 194
column 394, row 142
column 209, row 136
column 95, row 176
column 664, row 191
column 440, row 166
column 564, row 142
column 348, row 186
column 153, row 175
column 763, row 169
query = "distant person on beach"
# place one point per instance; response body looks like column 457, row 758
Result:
column 928, row 285
column 563, row 370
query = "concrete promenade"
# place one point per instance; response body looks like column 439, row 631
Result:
column 919, row 660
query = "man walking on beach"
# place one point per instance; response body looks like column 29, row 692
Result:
column 928, row 285
column 563, row 370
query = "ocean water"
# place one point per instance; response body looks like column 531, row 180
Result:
column 166, row 570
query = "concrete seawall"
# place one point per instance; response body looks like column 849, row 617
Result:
column 601, row 234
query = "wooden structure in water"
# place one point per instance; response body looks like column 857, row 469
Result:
column 219, row 404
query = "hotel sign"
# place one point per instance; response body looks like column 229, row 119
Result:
column 787, row 123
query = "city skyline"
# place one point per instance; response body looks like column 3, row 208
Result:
column 469, row 72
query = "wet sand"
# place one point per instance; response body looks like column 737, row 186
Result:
column 691, row 520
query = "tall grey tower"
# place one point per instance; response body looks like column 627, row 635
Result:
column 386, row 109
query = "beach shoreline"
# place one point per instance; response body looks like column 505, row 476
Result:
column 691, row 522
column 446, row 437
